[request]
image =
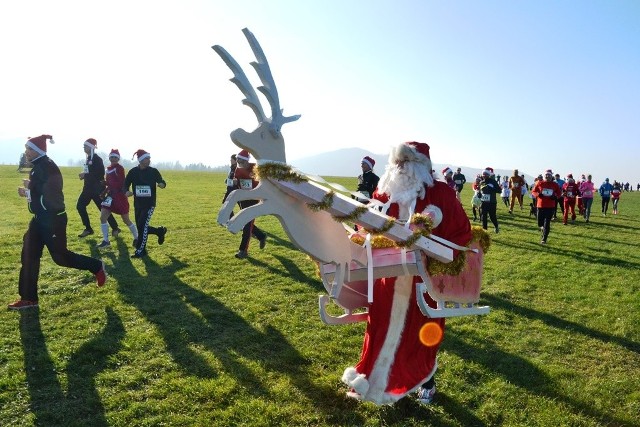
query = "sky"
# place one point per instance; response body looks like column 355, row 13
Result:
column 531, row 84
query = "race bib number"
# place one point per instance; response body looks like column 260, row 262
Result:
column 458, row 181
column 143, row 191
column 615, row 192
column 85, row 169
column 486, row 197
column 547, row 192
column 229, row 182
column 27, row 194
column 107, row 201
column 605, row 193
column 587, row 193
column 516, row 185
column 246, row 184
column 569, row 193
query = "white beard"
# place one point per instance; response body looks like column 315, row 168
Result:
column 404, row 185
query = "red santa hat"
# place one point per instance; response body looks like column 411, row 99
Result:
column 570, row 176
column 39, row 143
column 368, row 161
column 487, row 171
column 548, row 172
column 114, row 153
column 447, row 170
column 141, row 154
column 91, row 143
column 243, row 155
column 421, row 148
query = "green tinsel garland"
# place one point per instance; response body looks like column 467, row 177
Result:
column 279, row 172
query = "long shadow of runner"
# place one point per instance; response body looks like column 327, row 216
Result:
column 520, row 372
column 188, row 318
column 49, row 404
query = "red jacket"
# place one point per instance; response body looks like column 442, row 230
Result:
column 571, row 190
column 546, row 194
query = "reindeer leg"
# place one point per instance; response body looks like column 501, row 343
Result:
column 238, row 221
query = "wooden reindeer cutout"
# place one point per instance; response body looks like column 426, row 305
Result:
column 315, row 233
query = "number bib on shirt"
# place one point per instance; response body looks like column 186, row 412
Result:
column 547, row 192
column 569, row 193
column 107, row 201
column 143, row 191
column 229, row 182
column 587, row 193
column 605, row 193
column 458, row 181
column 85, row 169
column 486, row 197
column 246, row 184
column 27, row 194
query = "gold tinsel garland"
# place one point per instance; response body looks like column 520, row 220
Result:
column 434, row 267
column 324, row 204
column 425, row 223
column 278, row 171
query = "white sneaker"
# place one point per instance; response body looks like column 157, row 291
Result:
column 426, row 395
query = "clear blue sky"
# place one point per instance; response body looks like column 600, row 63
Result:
column 508, row 84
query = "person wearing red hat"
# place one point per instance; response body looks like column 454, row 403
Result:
column 368, row 181
column 142, row 180
column 93, row 186
column 570, row 190
column 546, row 192
column 48, row 227
column 115, row 200
column 447, row 174
column 244, row 179
column 393, row 362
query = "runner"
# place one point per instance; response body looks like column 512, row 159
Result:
column 115, row 200
column 143, row 179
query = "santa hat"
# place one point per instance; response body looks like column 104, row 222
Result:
column 39, row 143
column 570, row 176
column 141, row 154
column 91, row 143
column 548, row 172
column 487, row 171
column 243, row 155
column 421, row 148
column 114, row 153
column 368, row 161
column 447, row 170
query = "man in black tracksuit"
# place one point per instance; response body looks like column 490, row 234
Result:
column 143, row 179
column 48, row 227
column 93, row 177
column 489, row 187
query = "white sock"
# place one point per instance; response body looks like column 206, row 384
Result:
column 134, row 230
column 105, row 231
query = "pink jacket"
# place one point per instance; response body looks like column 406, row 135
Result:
column 587, row 189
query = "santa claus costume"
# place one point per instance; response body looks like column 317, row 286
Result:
column 394, row 362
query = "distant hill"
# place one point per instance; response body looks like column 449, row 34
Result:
column 346, row 162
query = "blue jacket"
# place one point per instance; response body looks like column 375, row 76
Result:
column 605, row 189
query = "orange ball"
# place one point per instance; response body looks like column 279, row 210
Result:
column 430, row 334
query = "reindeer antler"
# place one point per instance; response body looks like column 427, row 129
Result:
column 240, row 80
column 268, row 88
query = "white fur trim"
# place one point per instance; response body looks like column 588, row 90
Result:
column 379, row 377
column 435, row 213
column 357, row 381
column 144, row 156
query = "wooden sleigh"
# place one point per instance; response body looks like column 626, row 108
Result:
column 454, row 295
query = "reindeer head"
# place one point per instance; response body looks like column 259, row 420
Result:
column 265, row 143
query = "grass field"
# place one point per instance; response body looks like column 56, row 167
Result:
column 191, row 336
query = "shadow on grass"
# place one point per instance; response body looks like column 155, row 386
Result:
column 81, row 404
column 187, row 318
column 522, row 373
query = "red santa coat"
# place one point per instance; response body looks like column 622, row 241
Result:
column 393, row 361
column 115, row 176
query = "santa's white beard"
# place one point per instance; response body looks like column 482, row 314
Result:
column 404, row 184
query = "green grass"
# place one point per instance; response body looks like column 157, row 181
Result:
column 191, row 336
